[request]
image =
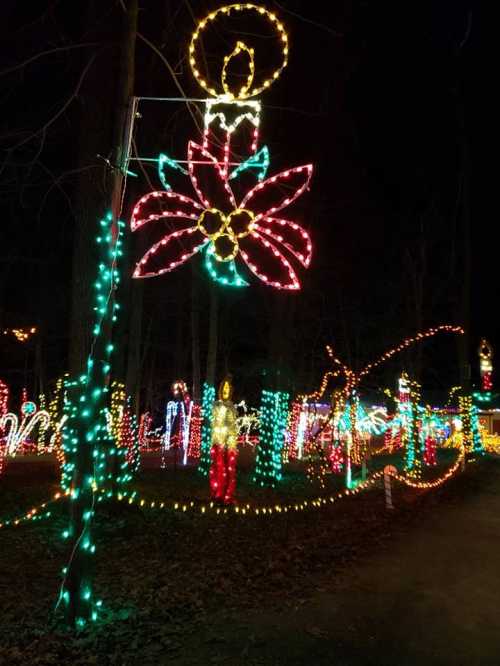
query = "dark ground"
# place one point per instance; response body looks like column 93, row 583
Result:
column 351, row 584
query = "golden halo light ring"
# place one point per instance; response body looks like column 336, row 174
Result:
column 225, row 223
column 234, row 249
column 251, row 224
column 245, row 92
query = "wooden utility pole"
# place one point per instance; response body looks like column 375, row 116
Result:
column 77, row 585
column 195, row 335
column 212, row 334
column 464, row 226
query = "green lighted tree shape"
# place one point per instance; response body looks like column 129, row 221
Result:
column 94, row 467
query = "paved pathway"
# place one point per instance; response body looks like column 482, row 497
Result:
column 431, row 598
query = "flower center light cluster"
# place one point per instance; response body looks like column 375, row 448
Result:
column 219, row 223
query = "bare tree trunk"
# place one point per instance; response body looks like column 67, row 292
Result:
column 39, row 379
column 77, row 586
column 195, row 335
column 276, row 341
column 179, row 365
column 134, row 366
column 212, row 335
column 465, row 227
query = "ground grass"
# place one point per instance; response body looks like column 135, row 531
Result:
column 163, row 576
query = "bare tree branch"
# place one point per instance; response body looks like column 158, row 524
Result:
column 468, row 30
column 327, row 28
column 58, row 49
column 174, row 77
column 52, row 120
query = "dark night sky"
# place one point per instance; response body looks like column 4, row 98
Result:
column 373, row 95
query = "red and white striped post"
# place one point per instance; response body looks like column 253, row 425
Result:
column 389, row 471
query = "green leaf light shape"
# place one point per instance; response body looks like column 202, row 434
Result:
column 165, row 162
column 224, row 273
column 259, row 162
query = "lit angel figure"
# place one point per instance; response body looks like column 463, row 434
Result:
column 219, row 223
column 224, row 450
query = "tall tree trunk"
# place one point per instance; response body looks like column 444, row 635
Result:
column 77, row 585
column 179, row 347
column 195, row 334
column 465, row 231
column 212, row 334
column 134, row 365
column 274, row 377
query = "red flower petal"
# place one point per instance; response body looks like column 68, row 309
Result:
column 278, row 191
column 209, row 182
column 161, row 205
column 266, row 262
column 290, row 235
column 172, row 251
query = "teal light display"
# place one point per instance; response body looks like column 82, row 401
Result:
column 134, row 451
column 224, row 273
column 207, row 402
column 94, row 466
column 477, row 441
column 260, row 162
column 273, row 421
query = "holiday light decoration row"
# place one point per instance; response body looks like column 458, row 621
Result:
column 245, row 509
column 120, row 420
column 35, row 513
column 306, row 420
column 367, row 423
column 353, row 379
column 373, row 424
column 429, row 456
column 19, row 435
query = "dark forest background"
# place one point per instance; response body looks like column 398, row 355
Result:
column 376, row 95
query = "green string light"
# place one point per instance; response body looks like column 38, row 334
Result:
column 273, row 420
column 224, row 273
column 260, row 162
column 207, row 402
column 94, row 464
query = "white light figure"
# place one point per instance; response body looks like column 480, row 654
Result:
column 19, row 432
column 375, row 422
column 177, row 423
column 301, row 433
column 250, row 420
